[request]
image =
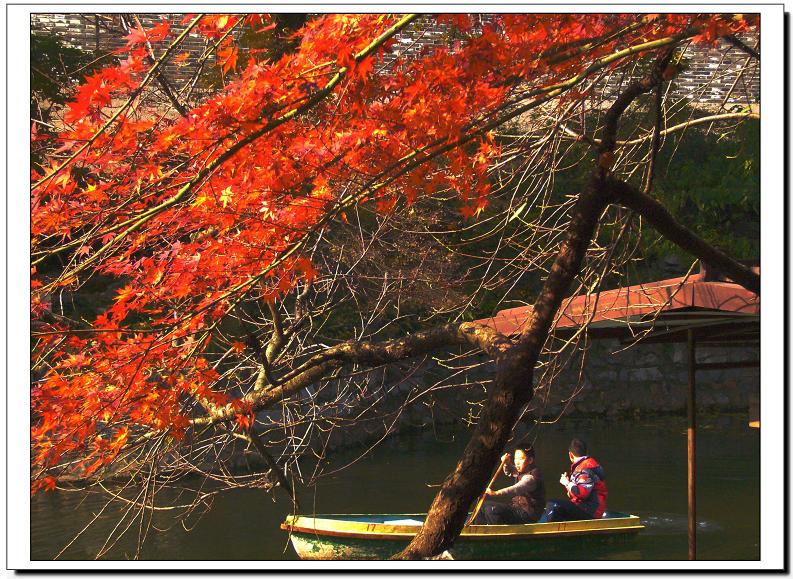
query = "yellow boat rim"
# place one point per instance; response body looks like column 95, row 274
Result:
column 406, row 526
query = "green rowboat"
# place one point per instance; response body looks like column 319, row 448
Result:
column 347, row 537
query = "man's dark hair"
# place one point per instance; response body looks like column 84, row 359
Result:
column 578, row 447
column 528, row 450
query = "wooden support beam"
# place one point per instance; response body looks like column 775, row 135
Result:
column 726, row 365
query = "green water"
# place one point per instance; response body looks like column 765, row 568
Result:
column 645, row 462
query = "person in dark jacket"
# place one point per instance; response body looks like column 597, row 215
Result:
column 585, row 485
column 527, row 494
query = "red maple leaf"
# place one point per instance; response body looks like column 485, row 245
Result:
column 228, row 58
column 364, row 67
column 159, row 32
column 346, row 59
column 137, row 35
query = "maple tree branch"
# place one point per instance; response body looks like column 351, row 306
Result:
column 577, row 48
column 635, row 89
column 666, row 224
column 277, row 339
column 741, row 45
column 253, row 438
column 656, row 142
column 668, row 130
column 190, row 85
column 738, row 78
column 367, row 354
column 272, row 350
column 570, row 50
column 604, row 61
column 273, row 124
column 545, row 94
column 161, row 80
column 586, row 213
column 412, row 160
column 140, row 220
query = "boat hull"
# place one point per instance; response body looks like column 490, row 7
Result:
column 353, row 537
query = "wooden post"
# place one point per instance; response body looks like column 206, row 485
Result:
column 692, row 448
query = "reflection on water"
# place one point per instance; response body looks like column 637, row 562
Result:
column 645, row 463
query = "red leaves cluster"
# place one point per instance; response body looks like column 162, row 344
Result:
column 98, row 90
column 139, row 35
column 389, row 132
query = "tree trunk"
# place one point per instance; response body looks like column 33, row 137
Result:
column 512, row 388
column 449, row 510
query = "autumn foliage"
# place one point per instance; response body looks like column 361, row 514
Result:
column 196, row 214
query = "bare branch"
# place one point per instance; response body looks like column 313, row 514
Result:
column 686, row 239
column 369, row 355
column 741, row 45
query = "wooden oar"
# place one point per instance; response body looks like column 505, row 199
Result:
column 481, row 500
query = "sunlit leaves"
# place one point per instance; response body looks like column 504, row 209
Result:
column 184, row 244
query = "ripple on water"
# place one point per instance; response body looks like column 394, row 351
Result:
column 673, row 524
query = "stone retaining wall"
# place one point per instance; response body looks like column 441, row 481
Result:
column 650, row 378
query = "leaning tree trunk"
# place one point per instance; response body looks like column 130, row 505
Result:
column 511, row 390
column 450, row 508
column 512, row 387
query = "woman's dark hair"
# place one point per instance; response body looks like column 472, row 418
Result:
column 528, row 451
column 578, row 447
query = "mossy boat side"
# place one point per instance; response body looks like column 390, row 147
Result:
column 349, row 537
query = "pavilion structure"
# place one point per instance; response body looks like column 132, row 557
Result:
column 703, row 309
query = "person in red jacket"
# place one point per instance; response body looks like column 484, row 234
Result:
column 585, row 485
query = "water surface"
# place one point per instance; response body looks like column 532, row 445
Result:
column 645, row 462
